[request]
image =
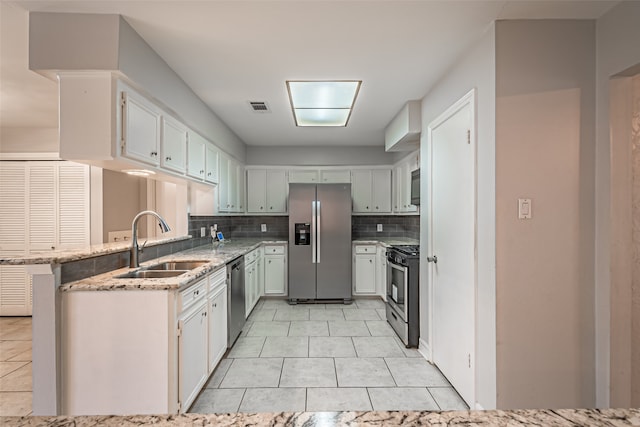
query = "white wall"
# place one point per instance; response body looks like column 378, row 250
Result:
column 320, row 156
column 545, row 106
column 29, row 140
column 475, row 70
column 617, row 49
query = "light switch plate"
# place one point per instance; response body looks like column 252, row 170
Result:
column 263, row 227
column 379, row 227
column 524, row 208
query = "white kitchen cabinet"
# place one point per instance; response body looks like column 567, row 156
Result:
column 196, row 155
column 303, row 176
column 211, row 163
column 250, row 284
column 275, row 270
column 192, row 353
column 381, row 271
column 364, row 269
column 174, row 145
column 402, row 185
column 371, row 190
column 223, row 187
column 266, row 191
column 231, row 186
column 44, row 206
column 338, row 176
column 260, row 270
column 140, row 129
column 217, row 324
column 239, row 188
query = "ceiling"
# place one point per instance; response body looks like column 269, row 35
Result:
column 233, row 52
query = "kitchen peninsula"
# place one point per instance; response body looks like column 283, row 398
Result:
column 124, row 332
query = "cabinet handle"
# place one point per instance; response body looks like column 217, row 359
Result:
column 201, row 172
column 168, row 158
column 215, row 305
column 367, row 207
column 154, row 153
column 269, row 261
column 370, row 260
column 377, row 207
column 53, row 247
column 209, row 174
column 271, row 208
column 260, row 207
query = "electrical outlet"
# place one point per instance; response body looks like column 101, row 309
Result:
column 263, row 227
column 379, row 227
column 203, row 231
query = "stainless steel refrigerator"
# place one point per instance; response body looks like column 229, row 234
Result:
column 319, row 242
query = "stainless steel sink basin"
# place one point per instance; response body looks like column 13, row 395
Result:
column 178, row 265
column 150, row 274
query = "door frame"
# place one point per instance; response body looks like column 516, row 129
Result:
column 468, row 99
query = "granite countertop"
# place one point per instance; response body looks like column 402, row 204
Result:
column 387, row 241
column 512, row 418
column 69, row 255
column 217, row 255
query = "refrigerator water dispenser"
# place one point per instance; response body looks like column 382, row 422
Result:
column 303, row 234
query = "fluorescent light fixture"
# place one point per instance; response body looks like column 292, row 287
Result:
column 322, row 103
column 139, row 172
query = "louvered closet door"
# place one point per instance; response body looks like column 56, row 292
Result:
column 73, row 205
column 13, row 208
column 42, row 206
column 15, row 291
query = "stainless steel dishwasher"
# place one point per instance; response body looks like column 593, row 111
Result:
column 235, row 299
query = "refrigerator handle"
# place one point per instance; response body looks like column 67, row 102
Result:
column 318, row 232
column 313, row 232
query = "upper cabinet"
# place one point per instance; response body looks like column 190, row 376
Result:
column 174, row 145
column 371, row 190
column 402, row 184
column 337, row 176
column 211, row 164
column 231, row 187
column 196, row 155
column 266, row 191
column 403, row 132
column 303, row 176
column 140, row 137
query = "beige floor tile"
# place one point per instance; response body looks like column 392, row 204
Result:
column 15, row 404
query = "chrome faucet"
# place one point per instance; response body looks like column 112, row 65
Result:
column 135, row 249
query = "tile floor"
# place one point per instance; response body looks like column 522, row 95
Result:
column 15, row 366
column 288, row 358
column 323, row 358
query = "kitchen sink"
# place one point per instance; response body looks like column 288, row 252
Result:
column 150, row 274
column 178, row 265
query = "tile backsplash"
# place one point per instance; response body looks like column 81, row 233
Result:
column 278, row 226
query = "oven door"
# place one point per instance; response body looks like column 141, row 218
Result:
column 397, row 280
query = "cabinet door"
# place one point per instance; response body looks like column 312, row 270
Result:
column 381, row 272
column 248, row 289
column 239, row 185
column 174, row 145
column 381, row 190
column 274, row 274
column 335, row 176
column 276, row 190
column 195, row 155
column 217, row 326
column 303, row 177
column 73, row 205
column 260, row 275
column 361, row 191
column 407, row 192
column 211, row 163
column 232, row 185
column 398, row 188
column 13, row 208
column 365, row 274
column 223, row 194
column 256, row 190
column 140, row 130
column 192, row 350
column 42, row 224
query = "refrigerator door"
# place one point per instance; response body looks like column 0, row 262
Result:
column 334, row 241
column 302, row 269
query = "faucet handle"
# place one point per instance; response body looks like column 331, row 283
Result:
column 141, row 248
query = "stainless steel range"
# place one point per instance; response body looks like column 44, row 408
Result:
column 403, row 294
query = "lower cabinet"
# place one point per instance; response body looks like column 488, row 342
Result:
column 275, row 270
column 217, row 325
column 252, row 278
column 381, row 272
column 193, row 366
column 364, row 269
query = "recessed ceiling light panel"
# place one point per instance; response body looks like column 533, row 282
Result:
column 322, row 103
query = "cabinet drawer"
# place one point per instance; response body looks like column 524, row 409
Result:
column 251, row 256
column 217, row 279
column 274, row 249
column 192, row 295
column 365, row 249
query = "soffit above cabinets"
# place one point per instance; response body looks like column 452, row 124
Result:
column 403, row 132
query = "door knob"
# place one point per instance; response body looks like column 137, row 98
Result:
column 433, row 259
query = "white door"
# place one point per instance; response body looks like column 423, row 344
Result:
column 452, row 241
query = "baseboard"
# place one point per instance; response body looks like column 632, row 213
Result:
column 479, row 407
column 424, row 349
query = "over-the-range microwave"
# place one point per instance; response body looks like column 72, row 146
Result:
column 415, row 187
